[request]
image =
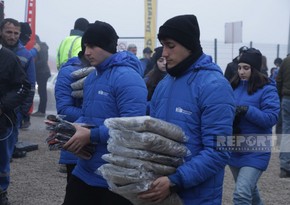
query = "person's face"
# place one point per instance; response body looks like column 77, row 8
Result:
column 95, row 55
column 10, row 34
column 133, row 50
column 147, row 55
column 174, row 52
column 244, row 71
column 161, row 64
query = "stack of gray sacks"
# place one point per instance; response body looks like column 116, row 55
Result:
column 79, row 76
column 141, row 149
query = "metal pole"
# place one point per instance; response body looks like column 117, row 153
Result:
column 278, row 50
column 215, row 50
column 289, row 38
column 1, row 10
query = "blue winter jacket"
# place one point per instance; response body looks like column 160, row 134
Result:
column 116, row 89
column 66, row 104
column 201, row 102
column 262, row 115
column 27, row 63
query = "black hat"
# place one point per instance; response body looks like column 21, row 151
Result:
column 278, row 61
column 253, row 57
column 184, row 29
column 242, row 49
column 81, row 24
column 147, row 50
column 101, row 34
column 157, row 54
column 25, row 32
column 25, row 28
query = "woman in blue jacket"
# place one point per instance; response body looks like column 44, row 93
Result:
column 188, row 97
column 257, row 111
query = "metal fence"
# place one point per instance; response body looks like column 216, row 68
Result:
column 221, row 53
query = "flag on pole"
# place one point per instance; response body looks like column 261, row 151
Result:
column 30, row 14
column 1, row 10
column 150, row 23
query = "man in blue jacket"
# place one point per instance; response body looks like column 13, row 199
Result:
column 195, row 96
column 10, row 30
column 114, row 89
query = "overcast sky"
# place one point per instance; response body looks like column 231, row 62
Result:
column 264, row 21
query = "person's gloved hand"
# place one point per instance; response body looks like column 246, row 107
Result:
column 241, row 110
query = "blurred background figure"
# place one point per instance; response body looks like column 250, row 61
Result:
column 232, row 67
column 264, row 66
column 283, row 86
column 71, row 45
column 25, row 33
column 42, row 74
column 132, row 48
column 147, row 52
column 157, row 73
column 275, row 70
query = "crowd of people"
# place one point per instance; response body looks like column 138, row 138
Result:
column 176, row 82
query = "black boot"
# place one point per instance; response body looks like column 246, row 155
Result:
column 18, row 153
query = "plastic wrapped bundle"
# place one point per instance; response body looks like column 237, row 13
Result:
column 129, row 182
column 131, row 191
column 142, row 149
column 148, row 141
column 80, row 73
column 145, row 155
column 147, row 124
column 80, row 76
column 138, row 164
column 79, row 84
column 124, row 176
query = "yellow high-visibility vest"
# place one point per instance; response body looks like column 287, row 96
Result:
column 69, row 47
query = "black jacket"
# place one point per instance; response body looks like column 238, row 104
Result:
column 231, row 69
column 41, row 62
column 14, row 86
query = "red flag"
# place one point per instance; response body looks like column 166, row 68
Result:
column 30, row 16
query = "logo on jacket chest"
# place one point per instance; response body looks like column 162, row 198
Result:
column 102, row 92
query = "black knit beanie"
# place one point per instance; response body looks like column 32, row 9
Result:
column 101, row 34
column 81, row 24
column 184, row 29
column 253, row 57
column 157, row 54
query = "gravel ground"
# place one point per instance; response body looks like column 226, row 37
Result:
column 35, row 179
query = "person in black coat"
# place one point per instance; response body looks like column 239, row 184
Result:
column 42, row 74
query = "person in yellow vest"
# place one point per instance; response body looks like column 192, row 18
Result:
column 71, row 45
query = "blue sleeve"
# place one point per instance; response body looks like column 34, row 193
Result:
column 65, row 103
column 33, row 52
column 267, row 115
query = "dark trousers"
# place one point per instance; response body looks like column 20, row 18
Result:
column 69, row 169
column 78, row 192
column 42, row 92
